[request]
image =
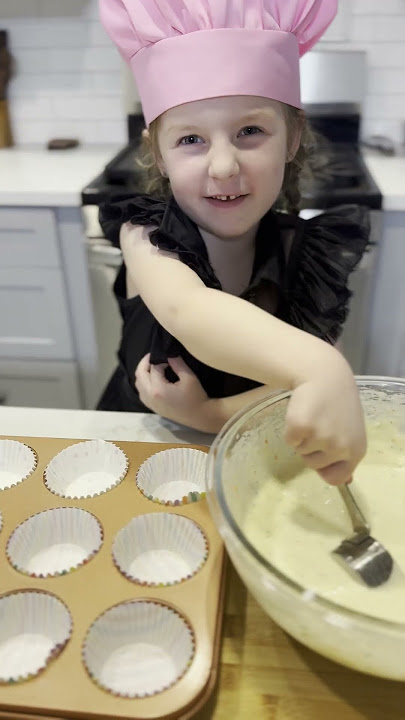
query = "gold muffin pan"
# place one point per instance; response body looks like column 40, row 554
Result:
column 65, row 688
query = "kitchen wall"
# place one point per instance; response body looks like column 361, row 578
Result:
column 68, row 79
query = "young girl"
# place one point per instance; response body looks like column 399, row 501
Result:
column 223, row 296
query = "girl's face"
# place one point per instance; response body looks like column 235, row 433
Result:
column 228, row 147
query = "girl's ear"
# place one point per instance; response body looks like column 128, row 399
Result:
column 295, row 139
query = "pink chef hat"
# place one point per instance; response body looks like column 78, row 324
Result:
column 186, row 50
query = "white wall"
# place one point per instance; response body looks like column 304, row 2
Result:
column 378, row 27
column 68, row 80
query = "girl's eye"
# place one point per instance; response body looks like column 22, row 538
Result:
column 250, row 130
column 190, row 140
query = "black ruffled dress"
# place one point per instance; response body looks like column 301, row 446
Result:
column 310, row 284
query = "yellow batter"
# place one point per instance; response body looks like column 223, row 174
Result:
column 296, row 520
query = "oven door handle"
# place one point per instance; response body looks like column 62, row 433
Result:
column 106, row 255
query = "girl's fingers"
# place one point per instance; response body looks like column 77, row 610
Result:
column 143, row 366
column 179, row 366
column 338, row 473
column 158, row 370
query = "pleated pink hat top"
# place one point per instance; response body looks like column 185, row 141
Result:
column 186, row 50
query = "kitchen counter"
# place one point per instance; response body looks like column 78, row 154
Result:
column 389, row 174
column 264, row 674
column 36, row 176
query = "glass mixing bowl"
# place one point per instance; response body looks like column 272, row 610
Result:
column 237, row 466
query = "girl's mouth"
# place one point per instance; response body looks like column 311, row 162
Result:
column 226, row 200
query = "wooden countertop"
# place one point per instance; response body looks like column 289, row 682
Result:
column 266, row 675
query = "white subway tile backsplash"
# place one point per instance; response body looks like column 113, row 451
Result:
column 68, row 78
column 96, row 59
column 386, row 81
column 362, row 29
column 19, row 8
column 32, row 61
column 34, row 107
column 68, row 8
column 48, row 33
column 386, row 107
column 88, row 108
column 392, row 28
column 378, row 7
column 386, row 54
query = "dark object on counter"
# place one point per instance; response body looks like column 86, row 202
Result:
column 62, row 143
column 6, row 138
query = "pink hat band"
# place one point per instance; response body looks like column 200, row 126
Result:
column 216, row 63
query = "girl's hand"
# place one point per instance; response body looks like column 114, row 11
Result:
column 325, row 422
column 184, row 401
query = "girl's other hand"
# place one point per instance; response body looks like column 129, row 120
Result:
column 184, row 401
column 325, row 422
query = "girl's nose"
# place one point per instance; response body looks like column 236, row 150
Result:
column 222, row 162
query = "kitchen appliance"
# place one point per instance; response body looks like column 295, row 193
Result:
column 344, row 178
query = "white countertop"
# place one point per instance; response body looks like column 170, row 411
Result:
column 389, row 174
column 93, row 424
column 39, row 177
column 36, row 176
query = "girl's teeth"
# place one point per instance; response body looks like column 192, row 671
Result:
column 225, row 197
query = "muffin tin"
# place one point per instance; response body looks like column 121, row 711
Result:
column 111, row 581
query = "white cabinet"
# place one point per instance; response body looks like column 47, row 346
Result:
column 39, row 384
column 28, row 238
column 46, row 345
column 36, row 322
column 386, row 352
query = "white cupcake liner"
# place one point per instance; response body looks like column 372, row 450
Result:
column 138, row 648
column 17, row 462
column 160, row 549
column 35, row 626
column 54, row 542
column 173, row 477
column 86, row 469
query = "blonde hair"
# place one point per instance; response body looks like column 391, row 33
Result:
column 295, row 170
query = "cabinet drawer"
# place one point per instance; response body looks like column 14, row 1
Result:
column 34, row 320
column 28, row 238
column 39, row 384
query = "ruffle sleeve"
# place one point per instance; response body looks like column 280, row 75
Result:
column 174, row 232
column 140, row 210
column 325, row 251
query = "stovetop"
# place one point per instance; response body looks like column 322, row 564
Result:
column 342, row 176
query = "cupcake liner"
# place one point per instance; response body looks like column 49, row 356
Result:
column 138, row 648
column 86, row 469
column 173, row 477
column 34, row 628
column 160, row 549
column 1, row 521
column 17, row 462
column 53, row 542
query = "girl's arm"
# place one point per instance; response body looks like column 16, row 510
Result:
column 324, row 420
column 220, row 330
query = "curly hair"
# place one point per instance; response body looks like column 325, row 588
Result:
column 296, row 171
